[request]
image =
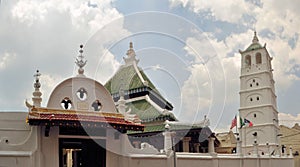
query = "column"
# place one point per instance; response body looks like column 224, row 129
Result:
column 186, row 144
column 211, row 145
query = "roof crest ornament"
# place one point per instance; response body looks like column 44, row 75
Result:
column 80, row 61
column 37, row 83
column 37, row 93
column 255, row 39
column 130, row 51
column 130, row 59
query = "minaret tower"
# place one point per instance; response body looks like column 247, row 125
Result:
column 258, row 99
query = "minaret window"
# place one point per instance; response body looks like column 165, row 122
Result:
column 97, row 105
column 66, row 103
column 248, row 60
column 254, row 115
column 257, row 98
column 257, row 84
column 250, row 85
column 258, row 58
column 251, row 99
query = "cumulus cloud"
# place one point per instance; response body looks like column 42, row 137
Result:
column 277, row 25
column 6, row 59
column 43, row 34
column 288, row 119
column 231, row 11
column 81, row 13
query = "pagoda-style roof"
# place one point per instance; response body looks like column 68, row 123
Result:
column 135, row 83
column 72, row 118
column 127, row 78
column 254, row 45
column 148, row 113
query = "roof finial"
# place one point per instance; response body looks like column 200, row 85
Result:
column 37, row 83
column 131, row 45
column 130, row 51
column 80, row 62
column 255, row 39
column 37, row 94
column 130, row 59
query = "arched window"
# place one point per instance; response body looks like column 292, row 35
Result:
column 97, row 105
column 258, row 58
column 66, row 103
column 248, row 60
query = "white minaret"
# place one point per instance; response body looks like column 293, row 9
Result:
column 257, row 99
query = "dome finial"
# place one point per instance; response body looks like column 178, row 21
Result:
column 80, row 62
column 255, row 39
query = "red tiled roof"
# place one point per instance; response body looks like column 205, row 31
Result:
column 37, row 115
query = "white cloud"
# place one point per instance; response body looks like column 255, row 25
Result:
column 229, row 11
column 108, row 66
column 80, row 13
column 6, row 59
column 288, row 119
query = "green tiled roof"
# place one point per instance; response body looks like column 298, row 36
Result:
column 147, row 113
column 254, row 46
column 128, row 78
column 161, row 127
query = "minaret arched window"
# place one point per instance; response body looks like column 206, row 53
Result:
column 258, row 58
column 248, row 60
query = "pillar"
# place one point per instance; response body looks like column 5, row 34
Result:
column 291, row 152
column 186, row 144
column 211, row 145
column 239, row 147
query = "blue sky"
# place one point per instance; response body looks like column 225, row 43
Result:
column 189, row 49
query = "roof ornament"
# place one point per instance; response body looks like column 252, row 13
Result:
column 37, row 83
column 130, row 51
column 80, row 61
column 37, row 94
column 255, row 39
column 130, row 59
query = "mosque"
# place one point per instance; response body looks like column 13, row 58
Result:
column 126, row 122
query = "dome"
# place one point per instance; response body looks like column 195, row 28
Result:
column 81, row 93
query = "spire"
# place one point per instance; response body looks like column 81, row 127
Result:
column 37, row 94
column 130, row 55
column 255, row 39
column 80, row 61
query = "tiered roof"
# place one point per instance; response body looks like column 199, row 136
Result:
column 136, row 86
